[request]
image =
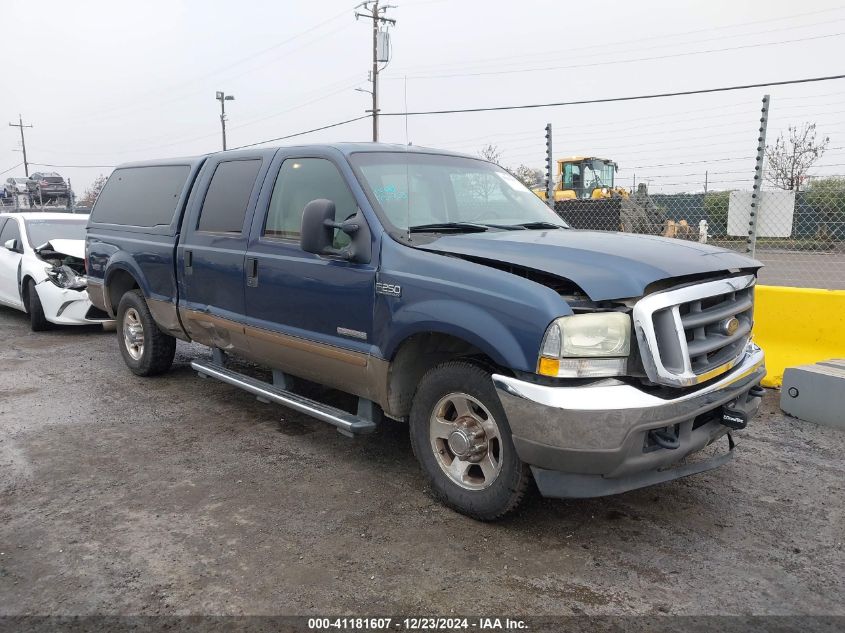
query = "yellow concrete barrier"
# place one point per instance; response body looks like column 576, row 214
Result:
column 796, row 326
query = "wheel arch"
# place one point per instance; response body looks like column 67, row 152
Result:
column 23, row 288
column 420, row 351
column 117, row 282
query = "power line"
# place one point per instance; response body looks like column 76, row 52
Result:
column 181, row 85
column 692, row 162
column 425, row 70
column 658, row 95
column 316, row 129
column 10, row 169
column 627, row 60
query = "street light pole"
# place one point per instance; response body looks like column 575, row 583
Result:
column 222, row 97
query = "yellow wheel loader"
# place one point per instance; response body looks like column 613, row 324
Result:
column 586, row 196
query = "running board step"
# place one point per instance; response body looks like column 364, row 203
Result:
column 347, row 423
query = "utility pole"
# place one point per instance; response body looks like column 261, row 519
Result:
column 222, row 97
column 23, row 144
column 706, row 178
column 373, row 11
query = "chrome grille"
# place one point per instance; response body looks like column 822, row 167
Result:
column 691, row 334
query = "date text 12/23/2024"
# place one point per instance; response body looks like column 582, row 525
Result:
column 415, row 624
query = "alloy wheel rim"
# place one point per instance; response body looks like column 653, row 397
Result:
column 466, row 441
column 133, row 334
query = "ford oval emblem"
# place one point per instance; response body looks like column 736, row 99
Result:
column 729, row 326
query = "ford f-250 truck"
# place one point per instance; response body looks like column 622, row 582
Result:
column 439, row 291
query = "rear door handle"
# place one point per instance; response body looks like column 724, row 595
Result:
column 189, row 262
column 252, row 272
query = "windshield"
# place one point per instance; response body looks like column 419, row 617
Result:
column 416, row 190
column 598, row 174
column 42, row 231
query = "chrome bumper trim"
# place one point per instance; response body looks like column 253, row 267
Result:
column 600, row 428
column 616, row 395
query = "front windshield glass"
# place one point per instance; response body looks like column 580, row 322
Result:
column 42, row 231
column 415, row 189
column 597, row 174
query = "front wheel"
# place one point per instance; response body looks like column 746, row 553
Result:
column 462, row 440
column 146, row 350
column 37, row 321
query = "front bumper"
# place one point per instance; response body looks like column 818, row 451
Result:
column 65, row 306
column 591, row 440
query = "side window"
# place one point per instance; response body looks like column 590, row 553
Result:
column 226, row 200
column 300, row 181
column 10, row 232
column 141, row 196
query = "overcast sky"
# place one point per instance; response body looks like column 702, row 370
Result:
column 109, row 81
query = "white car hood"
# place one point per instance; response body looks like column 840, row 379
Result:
column 74, row 248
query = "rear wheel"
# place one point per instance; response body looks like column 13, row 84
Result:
column 146, row 350
column 37, row 321
column 462, row 440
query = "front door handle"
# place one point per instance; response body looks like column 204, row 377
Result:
column 252, row 272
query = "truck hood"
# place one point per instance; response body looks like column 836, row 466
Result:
column 73, row 248
column 604, row 265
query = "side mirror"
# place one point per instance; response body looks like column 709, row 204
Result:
column 11, row 245
column 318, row 227
column 317, row 234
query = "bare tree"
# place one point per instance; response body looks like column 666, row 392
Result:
column 791, row 158
column 491, row 153
column 90, row 196
column 528, row 176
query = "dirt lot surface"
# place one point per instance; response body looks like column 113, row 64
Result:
column 177, row 495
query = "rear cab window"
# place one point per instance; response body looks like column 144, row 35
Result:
column 146, row 196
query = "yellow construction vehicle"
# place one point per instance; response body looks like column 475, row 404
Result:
column 586, row 196
column 583, row 178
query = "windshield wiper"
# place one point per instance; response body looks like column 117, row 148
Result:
column 456, row 227
column 539, row 225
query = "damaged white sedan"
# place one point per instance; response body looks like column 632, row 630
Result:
column 42, row 269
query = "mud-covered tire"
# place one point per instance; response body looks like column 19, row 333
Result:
column 37, row 321
column 462, row 484
column 146, row 350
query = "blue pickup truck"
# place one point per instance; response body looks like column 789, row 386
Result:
column 440, row 292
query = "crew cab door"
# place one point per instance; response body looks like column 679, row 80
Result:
column 307, row 314
column 210, row 255
column 10, row 262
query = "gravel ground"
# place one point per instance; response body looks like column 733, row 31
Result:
column 175, row 495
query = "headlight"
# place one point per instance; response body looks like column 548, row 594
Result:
column 66, row 277
column 586, row 346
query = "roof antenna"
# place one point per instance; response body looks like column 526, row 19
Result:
column 408, row 185
column 407, row 141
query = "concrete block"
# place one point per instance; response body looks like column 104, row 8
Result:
column 816, row 393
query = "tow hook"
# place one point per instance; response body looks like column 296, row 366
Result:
column 665, row 438
column 756, row 391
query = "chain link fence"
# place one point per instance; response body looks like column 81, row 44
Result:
column 26, row 202
column 799, row 236
column 692, row 189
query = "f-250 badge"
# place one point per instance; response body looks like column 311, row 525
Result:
column 391, row 290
